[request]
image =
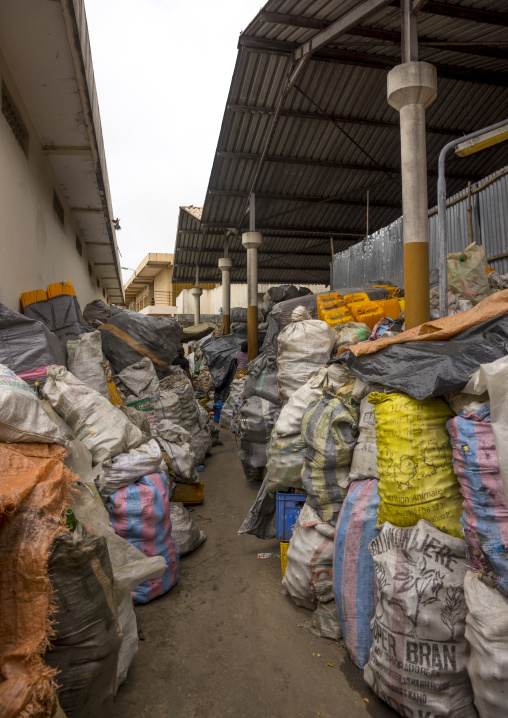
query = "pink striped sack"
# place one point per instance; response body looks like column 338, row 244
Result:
column 140, row 513
column 485, row 517
column 353, row 568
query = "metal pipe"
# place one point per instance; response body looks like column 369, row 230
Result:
column 469, row 214
column 441, row 213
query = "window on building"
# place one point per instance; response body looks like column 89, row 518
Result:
column 13, row 117
column 58, row 207
column 79, row 246
column 98, row 283
column 90, row 270
column 104, row 293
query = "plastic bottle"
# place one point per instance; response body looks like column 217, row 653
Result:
column 70, row 520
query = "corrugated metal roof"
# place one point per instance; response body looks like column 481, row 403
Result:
column 337, row 137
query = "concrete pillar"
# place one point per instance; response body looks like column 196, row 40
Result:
column 252, row 241
column 225, row 265
column 196, row 293
column 411, row 88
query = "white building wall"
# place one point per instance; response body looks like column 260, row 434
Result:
column 35, row 250
column 211, row 299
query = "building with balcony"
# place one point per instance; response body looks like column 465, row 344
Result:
column 150, row 290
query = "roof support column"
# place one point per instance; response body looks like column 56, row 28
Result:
column 252, row 241
column 196, row 293
column 411, row 88
column 225, row 265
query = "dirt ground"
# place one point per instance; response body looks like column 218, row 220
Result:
column 226, row 641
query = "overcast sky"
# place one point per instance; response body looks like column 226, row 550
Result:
column 163, row 70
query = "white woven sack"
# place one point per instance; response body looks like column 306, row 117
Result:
column 419, row 653
column 103, row 429
column 364, row 463
column 186, row 397
column 128, row 467
column 22, row 416
column 84, row 359
column 184, row 531
column 304, row 347
column 291, row 415
column 310, row 550
column 175, row 442
column 487, row 633
column 140, row 378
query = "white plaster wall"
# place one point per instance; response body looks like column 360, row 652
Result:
column 211, row 299
column 35, row 250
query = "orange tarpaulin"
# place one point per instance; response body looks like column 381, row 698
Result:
column 439, row 329
column 34, row 491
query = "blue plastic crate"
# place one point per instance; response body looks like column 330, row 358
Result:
column 288, row 509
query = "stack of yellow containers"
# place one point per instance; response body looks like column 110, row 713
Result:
column 336, row 309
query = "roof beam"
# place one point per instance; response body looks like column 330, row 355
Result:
column 369, row 122
column 327, row 231
column 294, row 20
column 481, row 49
column 88, row 210
column 465, row 13
column 309, row 162
column 465, row 48
column 350, row 19
column 376, row 62
column 303, row 198
column 262, row 266
column 80, row 151
column 242, row 252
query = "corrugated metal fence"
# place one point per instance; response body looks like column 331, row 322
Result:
column 380, row 255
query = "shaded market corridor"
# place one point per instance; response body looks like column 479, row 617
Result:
column 226, row 641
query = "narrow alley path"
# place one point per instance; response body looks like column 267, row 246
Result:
column 226, row 641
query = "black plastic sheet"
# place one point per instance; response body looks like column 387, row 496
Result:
column 219, row 354
column 97, row 310
column 424, row 369
column 61, row 315
column 260, row 521
column 26, row 344
column 159, row 338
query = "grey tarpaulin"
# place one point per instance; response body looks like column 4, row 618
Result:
column 97, row 311
column 129, row 336
column 219, row 354
column 239, row 314
column 260, row 521
column 262, row 377
column 426, row 369
column 281, row 294
column 26, row 344
column 62, row 316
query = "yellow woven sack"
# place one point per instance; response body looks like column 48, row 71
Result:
column 414, row 459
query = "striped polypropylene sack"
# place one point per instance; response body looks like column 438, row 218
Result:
column 330, row 431
column 485, row 516
column 353, row 568
column 140, row 513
